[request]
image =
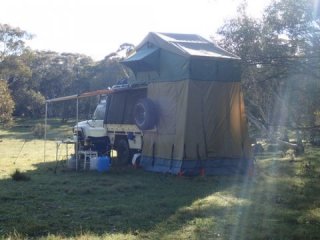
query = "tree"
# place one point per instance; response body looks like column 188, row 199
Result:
column 14, row 69
column 12, row 40
column 61, row 74
column 6, row 103
column 33, row 76
column 280, row 61
column 25, row 91
column 110, row 71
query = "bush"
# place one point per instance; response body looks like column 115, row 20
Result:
column 38, row 130
column 19, row 176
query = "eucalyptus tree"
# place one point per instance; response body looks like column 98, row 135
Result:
column 61, row 74
column 12, row 40
column 110, row 71
column 14, row 69
column 6, row 103
column 280, row 60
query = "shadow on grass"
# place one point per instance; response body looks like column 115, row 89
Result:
column 121, row 201
column 24, row 133
column 23, row 129
column 275, row 204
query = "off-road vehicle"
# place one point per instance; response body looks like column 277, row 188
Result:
column 117, row 123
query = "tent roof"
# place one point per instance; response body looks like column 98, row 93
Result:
column 173, row 57
column 186, row 45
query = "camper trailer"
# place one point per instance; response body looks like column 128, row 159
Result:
column 184, row 111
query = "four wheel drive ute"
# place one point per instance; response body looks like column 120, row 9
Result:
column 117, row 123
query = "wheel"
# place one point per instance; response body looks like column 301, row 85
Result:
column 145, row 114
column 123, row 152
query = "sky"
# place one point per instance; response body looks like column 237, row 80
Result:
column 98, row 27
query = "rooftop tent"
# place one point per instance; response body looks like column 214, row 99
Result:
column 195, row 86
column 174, row 57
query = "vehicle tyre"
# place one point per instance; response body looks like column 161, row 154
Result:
column 123, row 152
column 145, row 114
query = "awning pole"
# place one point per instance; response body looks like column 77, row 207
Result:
column 45, row 132
column 77, row 143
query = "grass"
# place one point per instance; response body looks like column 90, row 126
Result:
column 281, row 201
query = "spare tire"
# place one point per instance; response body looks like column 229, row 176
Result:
column 145, row 114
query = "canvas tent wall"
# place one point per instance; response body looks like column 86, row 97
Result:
column 201, row 119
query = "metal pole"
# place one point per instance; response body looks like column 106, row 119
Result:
column 77, row 143
column 45, row 132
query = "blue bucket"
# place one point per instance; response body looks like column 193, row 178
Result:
column 103, row 164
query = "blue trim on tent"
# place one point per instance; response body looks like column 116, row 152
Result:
column 215, row 166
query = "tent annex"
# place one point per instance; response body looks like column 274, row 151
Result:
column 201, row 123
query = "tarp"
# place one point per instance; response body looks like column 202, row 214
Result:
column 196, row 88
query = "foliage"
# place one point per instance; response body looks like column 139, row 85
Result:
column 280, row 60
column 15, row 70
column 38, row 130
column 12, row 40
column 109, row 71
column 6, row 103
column 19, row 176
column 33, row 76
column 59, row 75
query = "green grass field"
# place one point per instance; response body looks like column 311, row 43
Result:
column 281, row 201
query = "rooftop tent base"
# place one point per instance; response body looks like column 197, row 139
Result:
column 216, row 166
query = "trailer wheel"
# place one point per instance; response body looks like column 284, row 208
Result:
column 145, row 114
column 123, row 152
